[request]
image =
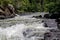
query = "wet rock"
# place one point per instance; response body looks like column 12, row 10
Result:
column 58, row 23
column 7, row 12
column 37, row 16
column 24, row 33
column 45, row 25
column 40, row 16
column 34, row 17
column 51, row 23
column 58, row 20
column 52, row 35
column 2, row 17
column 46, row 16
column 42, row 21
column 54, row 16
column 32, row 32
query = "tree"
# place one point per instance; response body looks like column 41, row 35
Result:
column 53, row 6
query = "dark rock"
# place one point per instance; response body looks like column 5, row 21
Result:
column 58, row 26
column 24, row 33
column 40, row 16
column 50, row 23
column 46, row 16
column 54, row 34
column 7, row 12
column 45, row 25
column 2, row 17
column 34, row 17
column 58, row 23
column 52, row 16
column 2, row 8
column 57, row 20
column 37, row 16
column 42, row 21
column 55, row 16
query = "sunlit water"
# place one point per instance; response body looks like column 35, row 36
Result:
column 22, row 28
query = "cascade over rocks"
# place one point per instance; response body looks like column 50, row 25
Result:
column 7, row 11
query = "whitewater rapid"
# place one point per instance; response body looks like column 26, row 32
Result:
column 16, row 28
column 15, row 32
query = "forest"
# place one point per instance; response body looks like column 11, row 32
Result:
column 51, row 6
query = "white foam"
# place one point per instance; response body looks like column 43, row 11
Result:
column 16, row 30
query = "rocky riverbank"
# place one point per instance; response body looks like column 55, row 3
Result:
column 7, row 11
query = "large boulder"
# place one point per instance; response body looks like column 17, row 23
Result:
column 7, row 12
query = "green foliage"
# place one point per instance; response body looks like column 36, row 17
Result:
column 30, row 6
column 24, row 5
column 51, row 6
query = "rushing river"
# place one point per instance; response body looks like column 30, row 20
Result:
column 22, row 28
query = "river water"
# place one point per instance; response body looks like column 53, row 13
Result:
column 22, row 28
